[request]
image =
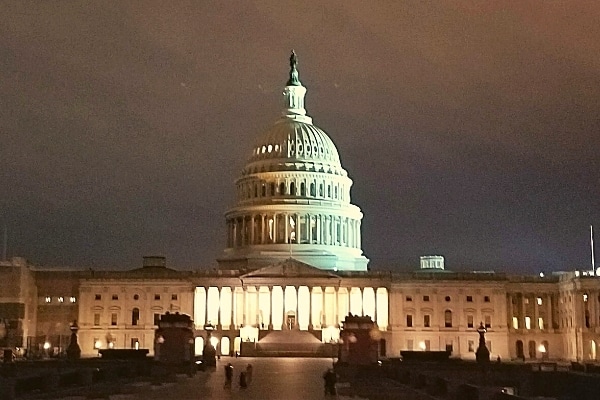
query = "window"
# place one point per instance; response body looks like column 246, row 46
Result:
column 408, row 298
column 98, row 297
column 61, row 299
column 48, row 299
column 135, row 316
column 136, row 296
column 409, row 322
column 115, row 297
column 541, row 323
column 96, row 319
column 426, row 320
column 135, row 343
column 156, row 318
column 487, row 321
column 409, row 344
column 427, row 344
column 526, row 300
column 425, row 298
column 539, row 301
column 113, row 319
column 486, row 299
column 515, row 323
column 448, row 319
column 73, row 299
column 173, row 297
column 527, row 322
column 471, row 346
column 469, row 321
column 449, row 346
column 447, row 298
column 469, row 299
column 157, row 297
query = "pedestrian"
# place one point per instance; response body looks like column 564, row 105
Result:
column 243, row 382
column 228, row 376
column 249, row 373
column 330, row 378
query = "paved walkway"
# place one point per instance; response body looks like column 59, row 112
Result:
column 273, row 378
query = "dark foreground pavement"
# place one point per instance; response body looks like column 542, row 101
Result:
column 273, row 378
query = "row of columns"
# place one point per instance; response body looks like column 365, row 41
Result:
column 285, row 228
column 291, row 188
column 289, row 307
column 533, row 310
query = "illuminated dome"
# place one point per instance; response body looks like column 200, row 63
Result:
column 293, row 197
column 292, row 144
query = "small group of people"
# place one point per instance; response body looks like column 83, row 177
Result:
column 244, row 379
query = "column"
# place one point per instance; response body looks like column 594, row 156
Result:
column 244, row 231
column 274, row 228
column 536, row 313
column 523, row 311
column 511, row 311
column 252, row 229
column 310, row 317
column 549, row 310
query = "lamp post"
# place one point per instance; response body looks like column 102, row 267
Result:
column 74, row 351
column 483, row 354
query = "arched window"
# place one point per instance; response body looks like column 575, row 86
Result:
column 302, row 189
column 263, row 192
column 293, row 188
column 282, row 189
column 321, row 190
column 313, row 191
column 448, row 319
column 329, row 191
column 272, row 189
column 135, row 316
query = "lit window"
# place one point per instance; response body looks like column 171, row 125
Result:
column 61, row 299
column 73, row 299
column 539, row 301
column 527, row 322
column 541, row 323
column 585, row 297
column 48, row 299
column 526, row 300
column 470, row 321
column 515, row 323
column 448, row 319
column 487, row 321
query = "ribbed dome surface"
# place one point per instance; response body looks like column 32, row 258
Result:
column 291, row 140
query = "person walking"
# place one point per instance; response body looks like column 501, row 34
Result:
column 228, row 376
column 330, row 378
column 249, row 373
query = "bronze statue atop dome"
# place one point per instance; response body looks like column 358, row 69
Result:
column 294, row 80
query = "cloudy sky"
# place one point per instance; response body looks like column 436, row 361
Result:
column 470, row 129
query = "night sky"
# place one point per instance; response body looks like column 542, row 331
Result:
column 470, row 131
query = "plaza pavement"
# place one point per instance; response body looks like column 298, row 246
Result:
column 273, row 378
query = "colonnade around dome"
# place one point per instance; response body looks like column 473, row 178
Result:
column 293, row 228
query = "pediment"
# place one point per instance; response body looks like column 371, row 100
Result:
column 290, row 268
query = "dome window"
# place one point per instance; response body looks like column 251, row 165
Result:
column 264, row 149
column 282, row 189
column 276, row 147
column 293, row 188
column 269, row 148
column 302, row 189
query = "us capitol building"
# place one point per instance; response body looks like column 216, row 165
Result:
column 292, row 270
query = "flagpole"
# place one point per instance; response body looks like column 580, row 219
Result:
column 592, row 248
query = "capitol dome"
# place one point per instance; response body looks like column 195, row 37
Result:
column 292, row 144
column 293, row 197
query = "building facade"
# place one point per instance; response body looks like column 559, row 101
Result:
column 293, row 269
